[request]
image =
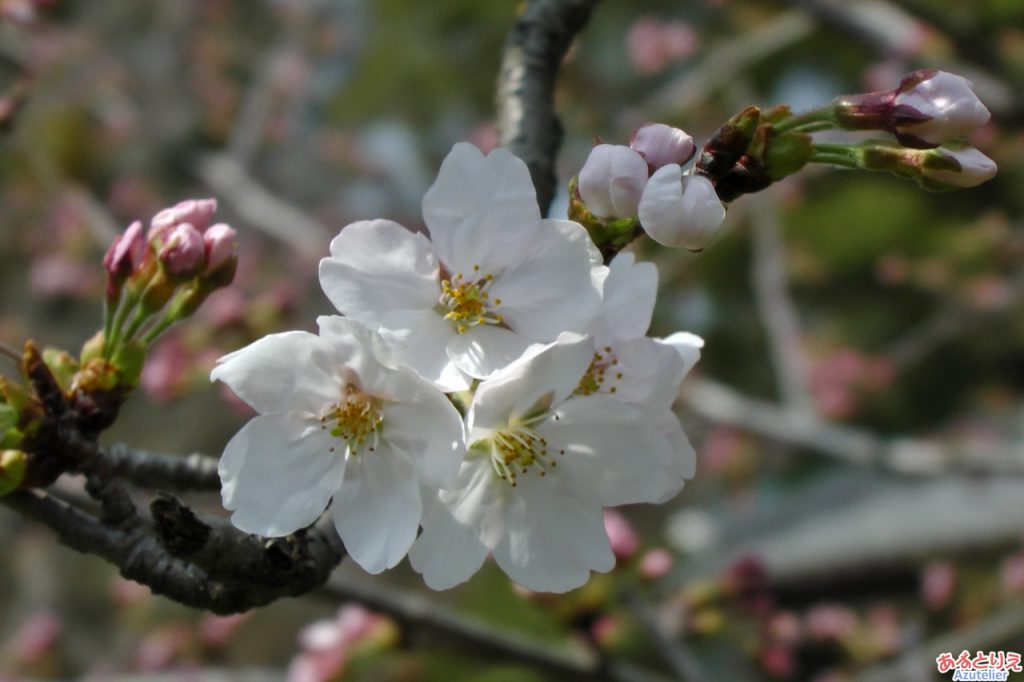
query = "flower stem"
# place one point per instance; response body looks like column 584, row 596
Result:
column 811, row 121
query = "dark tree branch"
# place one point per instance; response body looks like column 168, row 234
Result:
column 534, row 49
column 156, row 470
column 227, row 572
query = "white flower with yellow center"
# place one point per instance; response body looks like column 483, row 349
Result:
column 542, row 464
column 339, row 419
column 492, row 279
column 637, row 369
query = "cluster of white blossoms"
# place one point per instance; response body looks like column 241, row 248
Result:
column 558, row 404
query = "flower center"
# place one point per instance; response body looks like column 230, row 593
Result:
column 518, row 450
column 355, row 419
column 600, row 377
column 467, row 302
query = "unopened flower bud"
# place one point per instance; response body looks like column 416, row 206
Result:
column 935, row 169
column 196, row 212
column 935, row 107
column 662, row 144
column 621, row 536
column 929, row 108
column 183, row 254
column 612, row 181
column 656, row 563
column 220, row 245
column 680, row 210
column 12, row 470
column 125, row 253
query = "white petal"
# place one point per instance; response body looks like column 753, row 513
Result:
column 481, row 210
column 678, row 210
column 550, row 290
column 447, row 552
column 483, row 350
column 378, row 510
column 553, row 540
column 421, row 339
column 651, row 373
column 612, row 180
column 428, row 428
column 367, row 360
column 613, row 453
column 378, row 266
column 629, row 294
column 278, row 473
column 550, row 373
column 684, row 458
column 687, row 345
column 293, row 371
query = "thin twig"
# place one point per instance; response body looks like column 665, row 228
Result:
column 534, row 50
column 417, row 612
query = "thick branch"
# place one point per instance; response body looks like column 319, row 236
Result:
column 527, row 123
column 156, row 470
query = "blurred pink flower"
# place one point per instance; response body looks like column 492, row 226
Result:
column 35, row 637
column 224, row 308
column 326, row 644
column 778, row 661
column 621, row 535
column 831, row 621
column 216, row 631
column 58, row 276
column 653, row 44
column 160, row 649
column 607, row 631
column 786, row 627
column 165, row 374
column 938, row 583
column 656, row 563
column 883, row 623
column 126, row 592
column 1012, row 573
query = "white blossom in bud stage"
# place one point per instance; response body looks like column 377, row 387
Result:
column 640, row 370
column 612, row 180
column 954, row 168
column 680, row 210
column 662, row 144
column 542, row 463
column 937, row 106
column 339, row 418
column 493, row 279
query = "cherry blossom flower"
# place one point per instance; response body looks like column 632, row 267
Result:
column 612, row 181
column 680, row 210
column 639, row 370
column 338, row 418
column 542, row 463
column 492, row 279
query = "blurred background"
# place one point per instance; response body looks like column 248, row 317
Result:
column 858, row 412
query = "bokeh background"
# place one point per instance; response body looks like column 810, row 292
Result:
column 858, row 412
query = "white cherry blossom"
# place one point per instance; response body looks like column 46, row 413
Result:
column 542, row 463
column 492, row 279
column 338, row 419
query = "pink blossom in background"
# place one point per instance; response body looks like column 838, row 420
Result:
column 126, row 592
column 653, row 44
column 656, row 563
column 166, row 372
column 160, row 649
column 786, row 627
column 326, row 644
column 883, row 622
column 35, row 637
column 938, row 583
column 778, row 661
column 607, row 631
column 1012, row 573
column 216, row 631
column 831, row 621
column 59, row 276
column 224, row 308
column 840, row 378
column 621, row 535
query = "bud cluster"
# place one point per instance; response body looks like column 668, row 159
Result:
column 169, row 269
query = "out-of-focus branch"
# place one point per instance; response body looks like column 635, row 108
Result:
column 260, row 208
column 156, row 470
column 719, row 403
column 675, row 652
column 423, row 616
column 777, row 310
column 534, row 49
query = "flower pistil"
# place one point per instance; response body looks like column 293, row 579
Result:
column 356, row 419
column 467, row 301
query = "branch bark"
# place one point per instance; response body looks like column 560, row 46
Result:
column 534, row 49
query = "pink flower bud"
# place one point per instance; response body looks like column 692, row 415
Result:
column 621, row 535
column 938, row 583
column 220, row 246
column 125, row 253
column 951, row 168
column 612, row 181
column 656, row 563
column 183, row 253
column 678, row 210
column 935, row 107
column 662, row 144
column 197, row 212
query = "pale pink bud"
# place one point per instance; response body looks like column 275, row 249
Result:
column 656, row 563
column 36, row 636
column 831, row 621
column 183, row 253
column 126, row 252
column 621, row 535
column 218, row 630
column 680, row 210
column 950, row 168
column 612, row 181
column 937, row 106
column 197, row 212
column 220, row 246
column 938, row 583
column 662, row 144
